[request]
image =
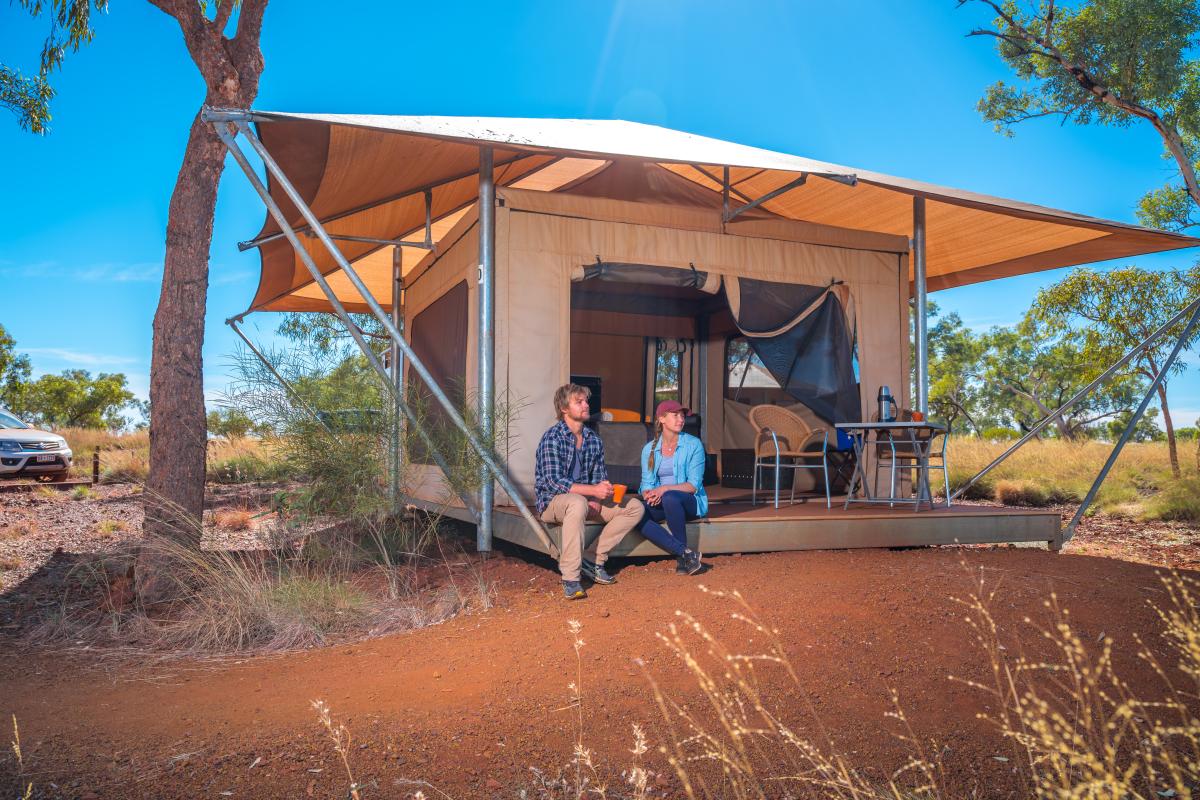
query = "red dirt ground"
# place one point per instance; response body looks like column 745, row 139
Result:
column 471, row 705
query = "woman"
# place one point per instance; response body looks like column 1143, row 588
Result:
column 673, row 485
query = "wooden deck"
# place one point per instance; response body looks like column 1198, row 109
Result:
column 735, row 526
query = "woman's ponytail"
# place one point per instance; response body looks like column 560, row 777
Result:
column 654, row 444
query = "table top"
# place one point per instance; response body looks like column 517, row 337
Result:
column 888, row 425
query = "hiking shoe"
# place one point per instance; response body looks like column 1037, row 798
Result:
column 689, row 563
column 596, row 572
column 573, row 590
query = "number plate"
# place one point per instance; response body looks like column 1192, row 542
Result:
column 45, row 459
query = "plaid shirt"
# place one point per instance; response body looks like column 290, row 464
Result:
column 552, row 464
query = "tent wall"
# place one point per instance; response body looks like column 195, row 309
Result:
column 540, row 243
column 430, row 282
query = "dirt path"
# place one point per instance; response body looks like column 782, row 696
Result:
column 472, row 704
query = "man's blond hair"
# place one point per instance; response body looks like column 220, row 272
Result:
column 563, row 395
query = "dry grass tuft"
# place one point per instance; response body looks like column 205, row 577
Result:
column 9, row 563
column 1062, row 472
column 1078, row 728
column 17, row 530
column 81, row 493
column 1074, row 727
column 735, row 745
column 233, row 519
column 107, row 527
column 1020, row 493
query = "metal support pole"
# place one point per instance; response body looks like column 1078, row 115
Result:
column 1131, row 425
column 397, row 363
column 338, row 308
column 232, row 322
column 487, row 351
column 1137, row 350
column 494, row 463
column 725, row 194
column 922, row 321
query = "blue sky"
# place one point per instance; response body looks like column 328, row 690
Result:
column 873, row 84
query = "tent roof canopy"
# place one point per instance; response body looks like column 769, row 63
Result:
column 369, row 176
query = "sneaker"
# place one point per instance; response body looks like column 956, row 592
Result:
column 573, row 590
column 596, row 572
column 689, row 563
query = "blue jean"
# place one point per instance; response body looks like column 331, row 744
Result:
column 676, row 508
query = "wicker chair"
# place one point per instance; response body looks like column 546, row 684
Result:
column 779, row 435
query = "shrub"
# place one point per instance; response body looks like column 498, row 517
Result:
column 999, row 434
column 233, row 519
column 1021, row 493
column 248, row 468
column 81, row 493
column 1178, row 501
column 107, row 527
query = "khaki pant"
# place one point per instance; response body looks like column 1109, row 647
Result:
column 572, row 511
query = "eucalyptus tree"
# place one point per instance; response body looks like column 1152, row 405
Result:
column 1030, row 369
column 222, row 40
column 1108, row 62
column 1101, row 311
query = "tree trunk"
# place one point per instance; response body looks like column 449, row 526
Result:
column 1166, row 412
column 174, row 499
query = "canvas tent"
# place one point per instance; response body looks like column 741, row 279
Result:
column 565, row 198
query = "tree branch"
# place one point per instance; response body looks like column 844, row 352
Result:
column 1089, row 83
column 221, row 18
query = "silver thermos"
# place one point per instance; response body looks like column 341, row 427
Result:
column 887, row 405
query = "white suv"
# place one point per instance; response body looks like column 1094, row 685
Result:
column 25, row 450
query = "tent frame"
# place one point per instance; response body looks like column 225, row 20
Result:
column 229, row 123
column 223, row 121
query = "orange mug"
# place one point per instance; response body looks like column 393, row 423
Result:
column 618, row 493
column 918, row 416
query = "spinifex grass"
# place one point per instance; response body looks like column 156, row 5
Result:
column 1058, row 471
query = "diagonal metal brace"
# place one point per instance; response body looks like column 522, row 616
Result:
column 493, row 461
column 338, row 308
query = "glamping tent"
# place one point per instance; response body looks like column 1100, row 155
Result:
column 513, row 255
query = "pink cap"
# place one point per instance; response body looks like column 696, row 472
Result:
column 667, row 406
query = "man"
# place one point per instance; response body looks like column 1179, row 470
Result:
column 572, row 484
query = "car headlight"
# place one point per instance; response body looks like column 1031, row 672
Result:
column 9, row 445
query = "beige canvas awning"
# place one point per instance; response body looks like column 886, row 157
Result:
column 366, row 175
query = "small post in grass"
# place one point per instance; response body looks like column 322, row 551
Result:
column 96, row 465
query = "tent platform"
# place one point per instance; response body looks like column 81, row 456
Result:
column 735, row 526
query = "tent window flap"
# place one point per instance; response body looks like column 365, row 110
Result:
column 804, row 336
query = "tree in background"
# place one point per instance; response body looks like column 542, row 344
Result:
column 1107, row 312
column 955, row 354
column 1111, row 62
column 232, row 423
column 71, row 399
column 70, row 28
column 14, row 371
column 1029, row 370
column 74, row 399
column 1146, row 430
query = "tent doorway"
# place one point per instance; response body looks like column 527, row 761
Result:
column 641, row 334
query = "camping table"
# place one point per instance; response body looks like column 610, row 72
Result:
column 859, row 431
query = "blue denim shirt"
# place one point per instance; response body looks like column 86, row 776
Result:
column 689, row 467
